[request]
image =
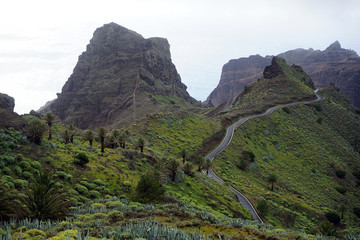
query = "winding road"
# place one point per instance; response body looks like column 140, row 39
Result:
column 227, row 139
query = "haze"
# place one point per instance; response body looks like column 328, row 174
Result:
column 40, row 41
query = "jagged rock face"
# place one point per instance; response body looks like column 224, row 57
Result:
column 333, row 65
column 8, row 118
column 118, row 66
column 235, row 75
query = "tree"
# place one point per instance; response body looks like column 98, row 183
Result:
column 249, row 156
column 207, row 165
column 200, row 162
column 141, row 144
column 44, row 200
column 114, row 138
column 102, row 135
column 272, row 178
column 35, row 131
column 342, row 210
column 89, row 136
column 123, row 138
column 149, row 190
column 172, row 167
column 66, row 135
column 72, row 131
column 50, row 119
column 188, row 169
column 183, row 155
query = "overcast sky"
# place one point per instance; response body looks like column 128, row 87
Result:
column 40, row 41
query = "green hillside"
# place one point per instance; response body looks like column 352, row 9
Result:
column 306, row 147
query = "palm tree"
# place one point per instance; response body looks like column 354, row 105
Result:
column 89, row 136
column 72, row 131
column 141, row 144
column 207, row 165
column 200, row 161
column 272, row 178
column 114, row 138
column 45, row 201
column 102, row 135
column 66, row 134
column 50, row 119
column 183, row 155
column 188, row 169
column 35, row 130
column 172, row 166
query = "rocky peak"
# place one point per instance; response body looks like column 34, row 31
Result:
column 115, row 77
column 275, row 68
column 7, row 102
column 334, row 46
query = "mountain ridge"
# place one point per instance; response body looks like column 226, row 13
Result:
column 332, row 65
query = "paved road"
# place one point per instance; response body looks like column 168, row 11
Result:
column 226, row 141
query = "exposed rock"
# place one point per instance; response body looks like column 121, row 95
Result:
column 118, row 68
column 333, row 65
column 8, row 118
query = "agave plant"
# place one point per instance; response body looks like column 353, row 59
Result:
column 44, row 200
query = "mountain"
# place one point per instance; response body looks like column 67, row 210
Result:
column 120, row 77
column 280, row 84
column 8, row 118
column 333, row 65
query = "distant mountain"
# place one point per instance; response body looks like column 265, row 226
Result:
column 333, row 65
column 121, row 76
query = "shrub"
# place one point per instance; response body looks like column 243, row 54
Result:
column 115, row 216
column 27, row 175
column 250, row 156
column 341, row 190
column 81, row 189
column 262, row 207
column 35, row 164
column 319, row 120
column 18, row 170
column 318, row 107
column 149, row 190
column 21, row 184
column 127, row 185
column 99, row 182
column 25, row 165
column 7, row 170
column 340, row 173
column 333, row 217
column 89, row 186
column 114, row 204
column 286, row 109
column 81, row 159
column 63, row 175
column 357, row 211
column 357, row 174
column 94, row 194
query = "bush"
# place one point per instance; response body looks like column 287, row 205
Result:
column 27, row 175
column 333, row 217
column 7, row 170
column 357, row 174
column 21, row 184
column 263, row 207
column 115, row 216
column 357, row 211
column 341, row 190
column 90, row 186
column 35, row 164
column 18, row 170
column 63, row 175
column 318, row 107
column 340, row 173
column 94, row 194
column 319, row 120
column 286, row 109
column 81, row 159
column 149, row 190
column 81, row 189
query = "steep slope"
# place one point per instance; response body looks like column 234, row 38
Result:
column 281, row 84
column 333, row 65
column 117, row 79
column 305, row 147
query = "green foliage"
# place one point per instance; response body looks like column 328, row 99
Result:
column 115, row 216
column 340, row 173
column 327, row 229
column 81, row 159
column 188, row 169
column 35, row 131
column 43, row 200
column 341, row 190
column 356, row 210
column 93, row 194
column 102, row 132
column 89, row 136
column 272, row 178
column 149, row 190
column 262, row 207
column 333, row 217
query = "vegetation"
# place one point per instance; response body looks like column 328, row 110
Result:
column 35, row 131
column 149, row 190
